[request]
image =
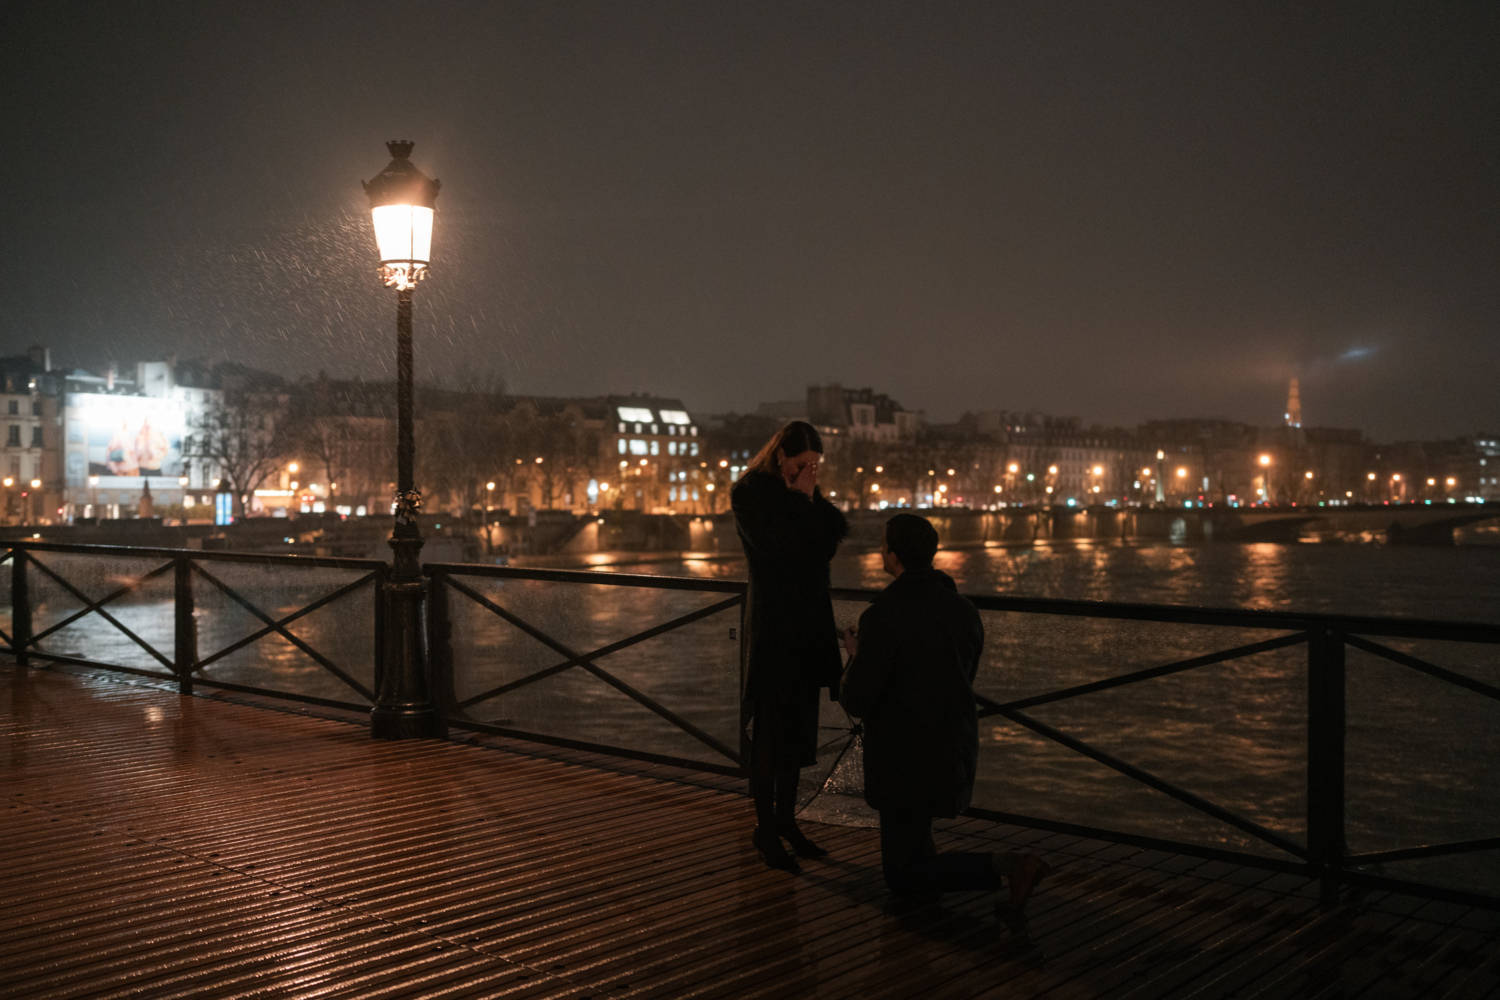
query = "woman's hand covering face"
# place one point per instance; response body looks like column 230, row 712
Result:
column 801, row 471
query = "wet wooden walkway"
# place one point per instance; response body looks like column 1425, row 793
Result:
column 157, row 846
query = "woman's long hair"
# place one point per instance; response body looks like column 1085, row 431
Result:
column 793, row 439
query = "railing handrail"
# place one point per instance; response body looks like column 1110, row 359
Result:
column 210, row 555
column 659, row 582
column 1187, row 614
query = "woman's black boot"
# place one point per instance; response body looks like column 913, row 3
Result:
column 786, row 816
column 771, row 851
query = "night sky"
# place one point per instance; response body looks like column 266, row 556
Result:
column 1119, row 212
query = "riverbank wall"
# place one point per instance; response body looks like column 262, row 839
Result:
column 561, row 538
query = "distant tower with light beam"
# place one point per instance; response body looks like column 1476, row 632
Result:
column 1293, row 405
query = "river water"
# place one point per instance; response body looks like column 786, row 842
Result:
column 1422, row 754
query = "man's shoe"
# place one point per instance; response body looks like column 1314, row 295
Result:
column 1032, row 870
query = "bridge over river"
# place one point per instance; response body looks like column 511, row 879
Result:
column 1403, row 524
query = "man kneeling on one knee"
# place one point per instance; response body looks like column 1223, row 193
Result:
column 911, row 680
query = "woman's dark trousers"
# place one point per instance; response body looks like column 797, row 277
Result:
column 774, row 788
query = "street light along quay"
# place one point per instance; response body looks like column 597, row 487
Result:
column 403, row 207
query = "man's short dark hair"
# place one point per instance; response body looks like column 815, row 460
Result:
column 913, row 539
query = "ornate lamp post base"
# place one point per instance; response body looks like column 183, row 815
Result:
column 402, row 707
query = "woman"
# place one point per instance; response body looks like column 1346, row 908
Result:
column 789, row 532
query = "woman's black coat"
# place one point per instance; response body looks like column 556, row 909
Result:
column 789, row 539
column 912, row 684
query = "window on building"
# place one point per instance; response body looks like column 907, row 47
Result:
column 36, row 437
column 13, row 439
column 637, row 446
column 36, row 407
column 695, row 447
column 656, row 447
column 622, row 446
column 14, row 407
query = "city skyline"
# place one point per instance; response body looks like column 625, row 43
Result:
column 795, row 396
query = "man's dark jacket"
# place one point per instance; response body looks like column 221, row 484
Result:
column 912, row 684
column 789, row 539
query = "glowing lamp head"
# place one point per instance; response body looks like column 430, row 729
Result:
column 403, row 204
column 1265, row 460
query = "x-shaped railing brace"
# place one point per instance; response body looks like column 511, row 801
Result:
column 1012, row 711
column 279, row 627
column 585, row 660
column 97, row 607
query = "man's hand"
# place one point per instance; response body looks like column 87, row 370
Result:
column 851, row 641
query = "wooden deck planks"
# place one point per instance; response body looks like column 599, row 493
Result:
column 160, row 846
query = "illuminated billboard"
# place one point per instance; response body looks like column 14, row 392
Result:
column 126, row 439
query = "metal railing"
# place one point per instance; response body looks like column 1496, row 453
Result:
column 1324, row 854
column 1327, row 637
column 33, row 562
column 450, row 580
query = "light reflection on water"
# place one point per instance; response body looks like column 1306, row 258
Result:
column 1461, row 583
column 1421, row 752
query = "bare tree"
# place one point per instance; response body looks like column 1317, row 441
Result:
column 244, row 437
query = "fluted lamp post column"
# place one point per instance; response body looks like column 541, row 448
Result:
column 403, row 205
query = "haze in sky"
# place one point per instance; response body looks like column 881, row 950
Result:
column 1122, row 212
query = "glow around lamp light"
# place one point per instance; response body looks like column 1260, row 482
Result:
column 403, row 204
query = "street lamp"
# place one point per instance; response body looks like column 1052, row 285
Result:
column 402, row 207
